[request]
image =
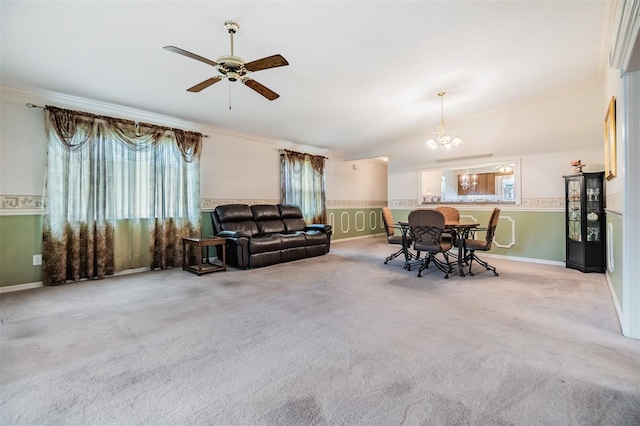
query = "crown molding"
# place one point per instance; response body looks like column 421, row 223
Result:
column 40, row 96
column 626, row 36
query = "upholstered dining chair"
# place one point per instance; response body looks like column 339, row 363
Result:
column 472, row 245
column 451, row 215
column 392, row 238
column 426, row 227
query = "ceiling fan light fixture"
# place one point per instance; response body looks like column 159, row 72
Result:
column 440, row 139
column 234, row 68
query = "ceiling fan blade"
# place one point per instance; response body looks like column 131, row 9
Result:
column 190, row 55
column 266, row 63
column 263, row 90
column 198, row 87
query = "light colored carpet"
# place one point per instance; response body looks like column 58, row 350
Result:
column 340, row 339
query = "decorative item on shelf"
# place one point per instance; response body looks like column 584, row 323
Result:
column 593, row 194
column 592, row 216
column 430, row 198
column 440, row 138
column 577, row 166
column 574, row 214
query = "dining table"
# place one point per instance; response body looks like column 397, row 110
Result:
column 459, row 231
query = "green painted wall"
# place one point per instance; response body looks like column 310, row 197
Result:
column 538, row 234
column 615, row 275
column 132, row 238
column 20, row 239
column 355, row 222
column 207, row 226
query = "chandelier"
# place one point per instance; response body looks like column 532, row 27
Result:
column 466, row 183
column 440, row 138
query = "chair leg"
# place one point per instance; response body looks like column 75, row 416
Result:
column 443, row 266
column 393, row 256
column 481, row 262
column 425, row 263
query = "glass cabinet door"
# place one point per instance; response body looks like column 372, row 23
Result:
column 575, row 209
column 593, row 208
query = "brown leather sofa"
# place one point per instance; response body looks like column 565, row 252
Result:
column 266, row 234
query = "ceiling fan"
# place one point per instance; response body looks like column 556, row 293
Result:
column 234, row 68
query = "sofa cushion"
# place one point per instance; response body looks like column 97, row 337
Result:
column 293, row 240
column 267, row 219
column 291, row 217
column 265, row 212
column 289, row 211
column 270, row 226
column 234, row 212
column 236, row 217
column 245, row 226
column 315, row 237
column 264, row 244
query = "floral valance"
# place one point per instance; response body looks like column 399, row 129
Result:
column 75, row 128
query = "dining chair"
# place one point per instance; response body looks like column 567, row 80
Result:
column 451, row 215
column 472, row 245
column 426, row 227
column 392, row 238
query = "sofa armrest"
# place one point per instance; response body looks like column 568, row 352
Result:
column 237, row 243
column 233, row 234
column 319, row 227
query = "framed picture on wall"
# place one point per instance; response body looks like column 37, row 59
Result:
column 610, row 156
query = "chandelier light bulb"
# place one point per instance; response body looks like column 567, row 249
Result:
column 466, row 183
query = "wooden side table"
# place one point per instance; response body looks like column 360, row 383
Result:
column 208, row 266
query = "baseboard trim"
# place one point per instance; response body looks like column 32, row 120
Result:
column 131, row 271
column 525, row 259
column 356, row 238
column 19, row 287
column 612, row 292
column 29, row 286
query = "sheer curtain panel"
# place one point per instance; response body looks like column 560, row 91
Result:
column 101, row 170
column 302, row 183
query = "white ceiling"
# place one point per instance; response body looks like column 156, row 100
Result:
column 361, row 73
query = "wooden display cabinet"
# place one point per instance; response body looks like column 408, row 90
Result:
column 585, row 221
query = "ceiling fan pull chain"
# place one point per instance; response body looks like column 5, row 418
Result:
column 229, row 95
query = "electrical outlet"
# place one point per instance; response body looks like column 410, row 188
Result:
column 37, row 259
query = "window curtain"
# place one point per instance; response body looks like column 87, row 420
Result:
column 101, row 170
column 302, row 183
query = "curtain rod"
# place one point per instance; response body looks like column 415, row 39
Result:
column 303, row 153
column 30, row 105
